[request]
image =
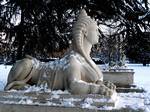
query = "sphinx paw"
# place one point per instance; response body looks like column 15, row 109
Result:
column 110, row 85
column 104, row 90
column 109, row 92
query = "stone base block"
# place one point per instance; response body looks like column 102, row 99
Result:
column 120, row 77
column 36, row 108
column 50, row 102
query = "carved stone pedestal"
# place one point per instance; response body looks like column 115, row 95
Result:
column 50, row 102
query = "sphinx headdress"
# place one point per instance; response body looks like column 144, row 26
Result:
column 79, row 29
column 78, row 33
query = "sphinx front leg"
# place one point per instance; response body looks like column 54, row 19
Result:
column 81, row 87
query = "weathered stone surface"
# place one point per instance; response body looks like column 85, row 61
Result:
column 121, row 77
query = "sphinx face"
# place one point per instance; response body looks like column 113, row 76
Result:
column 92, row 33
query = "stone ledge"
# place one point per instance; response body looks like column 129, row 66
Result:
column 10, row 102
column 126, row 90
column 36, row 108
column 49, row 99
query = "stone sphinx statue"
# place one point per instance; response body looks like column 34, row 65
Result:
column 75, row 72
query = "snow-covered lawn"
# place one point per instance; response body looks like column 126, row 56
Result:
column 132, row 100
column 142, row 80
column 142, row 75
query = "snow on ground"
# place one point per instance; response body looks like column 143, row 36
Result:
column 132, row 100
column 142, row 80
column 4, row 70
column 142, row 75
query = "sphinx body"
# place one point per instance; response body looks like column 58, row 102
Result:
column 75, row 72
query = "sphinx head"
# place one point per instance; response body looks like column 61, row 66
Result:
column 84, row 28
column 92, row 33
